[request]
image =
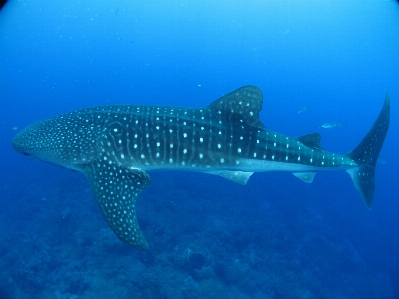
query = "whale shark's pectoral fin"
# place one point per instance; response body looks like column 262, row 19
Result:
column 306, row 177
column 115, row 189
column 239, row 177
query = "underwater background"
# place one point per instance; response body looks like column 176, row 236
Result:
column 317, row 62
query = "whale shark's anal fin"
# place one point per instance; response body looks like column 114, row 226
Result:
column 116, row 189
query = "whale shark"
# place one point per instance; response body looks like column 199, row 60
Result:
column 115, row 146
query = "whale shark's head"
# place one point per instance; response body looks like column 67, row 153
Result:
column 61, row 140
column 34, row 141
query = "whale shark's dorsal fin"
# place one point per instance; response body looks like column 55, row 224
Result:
column 311, row 140
column 241, row 105
column 115, row 189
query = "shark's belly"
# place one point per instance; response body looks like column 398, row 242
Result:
column 246, row 165
column 252, row 165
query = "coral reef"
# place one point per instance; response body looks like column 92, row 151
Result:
column 236, row 246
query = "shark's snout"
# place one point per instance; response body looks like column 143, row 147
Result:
column 18, row 145
column 29, row 140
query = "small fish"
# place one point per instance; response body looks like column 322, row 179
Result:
column 14, row 128
column 335, row 124
column 303, row 109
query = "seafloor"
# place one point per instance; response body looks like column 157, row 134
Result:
column 208, row 237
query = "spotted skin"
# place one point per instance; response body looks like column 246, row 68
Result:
column 114, row 146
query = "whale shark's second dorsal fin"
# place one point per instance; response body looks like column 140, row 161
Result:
column 241, row 105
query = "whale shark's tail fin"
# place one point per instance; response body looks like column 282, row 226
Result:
column 366, row 155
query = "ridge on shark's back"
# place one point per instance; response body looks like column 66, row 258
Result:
column 114, row 146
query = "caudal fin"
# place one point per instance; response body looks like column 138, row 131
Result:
column 366, row 155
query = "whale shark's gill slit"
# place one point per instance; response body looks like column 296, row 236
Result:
column 116, row 189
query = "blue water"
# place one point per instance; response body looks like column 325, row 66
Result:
column 276, row 237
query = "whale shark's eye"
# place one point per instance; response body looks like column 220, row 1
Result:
column 26, row 154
